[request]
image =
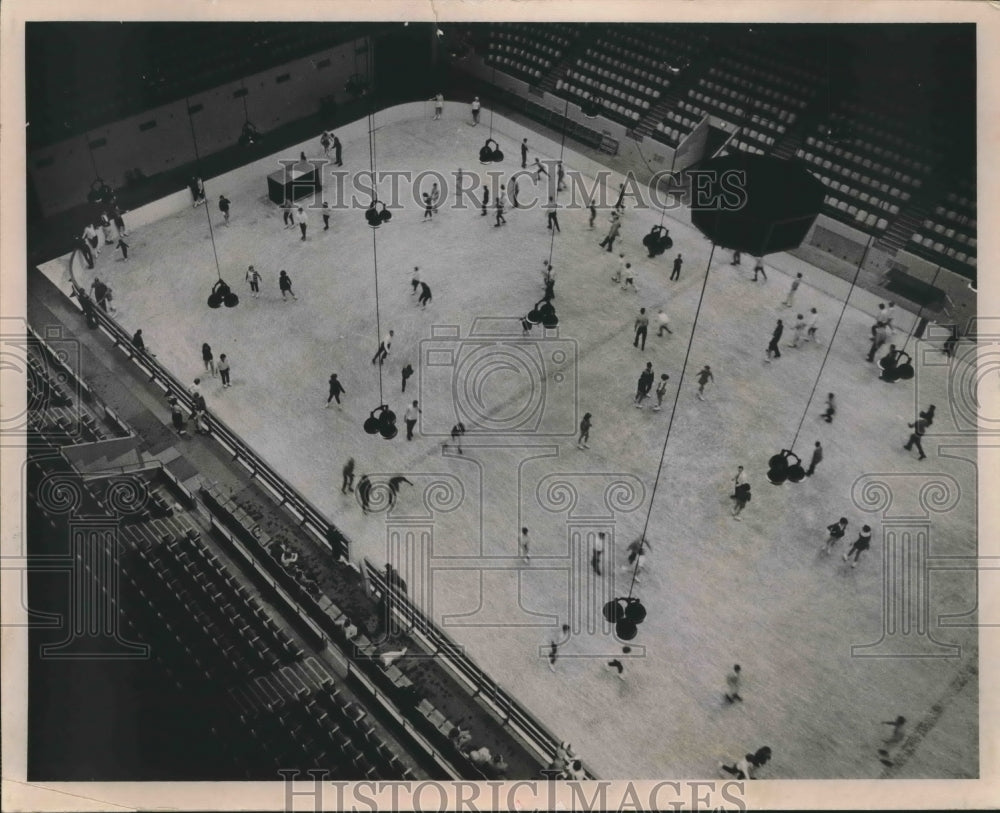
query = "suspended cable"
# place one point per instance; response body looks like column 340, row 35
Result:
column 208, row 214
column 562, row 147
column 93, row 162
column 494, row 81
column 372, row 165
column 829, row 346
column 673, row 413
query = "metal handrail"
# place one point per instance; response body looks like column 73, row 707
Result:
column 445, row 649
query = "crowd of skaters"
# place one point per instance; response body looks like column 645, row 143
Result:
column 804, row 330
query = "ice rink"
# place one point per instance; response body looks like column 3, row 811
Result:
column 827, row 652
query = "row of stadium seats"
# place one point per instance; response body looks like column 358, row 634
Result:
column 858, row 180
column 609, row 90
column 861, row 217
column 515, row 67
column 742, row 97
column 622, row 74
column 612, row 109
column 739, row 74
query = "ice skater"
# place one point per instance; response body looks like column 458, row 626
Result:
column 817, row 457
column 348, row 475
column 425, row 295
column 617, row 665
column 410, row 417
column 336, row 390
column 741, row 497
column 540, row 170
column 254, row 279
column 831, row 408
column 394, row 484
column 664, row 323
column 836, row 532
column 285, row 286
column 197, row 191
column 880, row 335
column 861, row 544
column 224, row 204
column 585, row 424
column 758, row 268
column 676, row 273
column 811, row 321
column 791, row 291
column 644, row 385
column 286, row 213
column 609, row 239
column 498, row 206
column 641, row 327
column 326, row 216
column 704, row 376
column 597, row 553
column 475, row 111
column 554, row 647
column 456, row 437
column 896, row 736
column 552, row 221
column 302, row 219
column 732, row 693
column 406, row 372
column 224, row 368
column 524, row 153
column 919, row 427
column 799, row 329
column 629, row 280
column 593, row 215
column 772, row 348
column 123, row 248
column 661, row 390
column 415, row 280
column 383, row 349
column 208, row 358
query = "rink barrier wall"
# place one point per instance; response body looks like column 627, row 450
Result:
column 510, row 713
column 62, row 172
column 321, row 619
column 325, row 625
column 308, row 516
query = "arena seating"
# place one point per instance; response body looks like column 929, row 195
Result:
column 949, row 230
column 526, row 51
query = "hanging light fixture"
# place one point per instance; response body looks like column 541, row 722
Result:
column 221, row 293
column 381, row 420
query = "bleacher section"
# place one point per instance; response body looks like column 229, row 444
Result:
column 526, row 51
column 950, row 230
column 61, row 408
column 627, row 70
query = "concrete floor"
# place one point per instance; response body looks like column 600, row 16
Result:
column 718, row 591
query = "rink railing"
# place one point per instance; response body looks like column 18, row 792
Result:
column 437, row 642
column 260, row 470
